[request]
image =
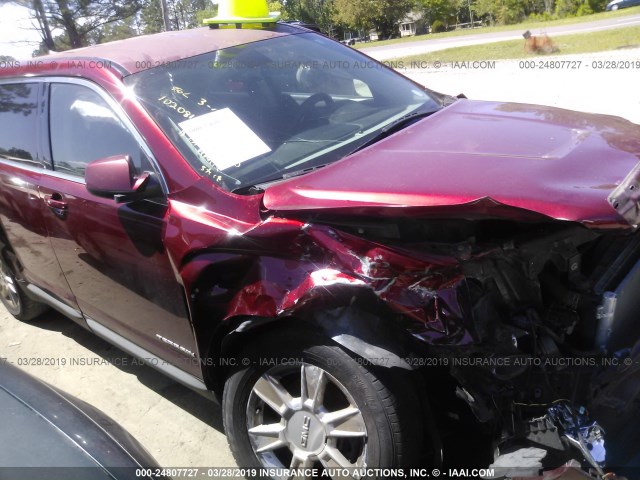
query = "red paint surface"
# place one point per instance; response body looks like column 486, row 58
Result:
column 553, row 162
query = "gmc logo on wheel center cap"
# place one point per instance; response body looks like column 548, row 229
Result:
column 305, row 431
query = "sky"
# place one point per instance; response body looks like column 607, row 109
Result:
column 17, row 35
column 17, row 38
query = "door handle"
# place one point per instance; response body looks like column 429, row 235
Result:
column 57, row 204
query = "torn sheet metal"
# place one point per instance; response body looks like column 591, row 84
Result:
column 430, row 291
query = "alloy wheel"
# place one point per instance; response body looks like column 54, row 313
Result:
column 8, row 288
column 302, row 417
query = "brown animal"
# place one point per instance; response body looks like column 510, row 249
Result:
column 538, row 43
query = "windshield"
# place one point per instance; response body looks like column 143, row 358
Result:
column 267, row 110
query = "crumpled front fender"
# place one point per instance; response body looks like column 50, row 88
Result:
column 428, row 290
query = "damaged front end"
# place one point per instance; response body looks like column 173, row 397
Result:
column 521, row 316
column 519, row 325
column 524, row 317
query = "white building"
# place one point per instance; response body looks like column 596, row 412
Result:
column 409, row 25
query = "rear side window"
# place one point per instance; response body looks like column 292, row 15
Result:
column 18, row 123
column 84, row 128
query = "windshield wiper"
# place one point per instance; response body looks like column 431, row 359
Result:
column 395, row 126
column 255, row 188
column 297, row 173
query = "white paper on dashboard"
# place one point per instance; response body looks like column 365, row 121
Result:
column 224, row 138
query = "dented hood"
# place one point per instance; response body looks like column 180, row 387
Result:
column 483, row 157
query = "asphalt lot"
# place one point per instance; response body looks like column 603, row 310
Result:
column 181, row 428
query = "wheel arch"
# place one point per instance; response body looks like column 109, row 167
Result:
column 354, row 318
column 9, row 256
column 362, row 331
column 4, row 239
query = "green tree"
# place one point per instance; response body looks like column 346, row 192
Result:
column 202, row 15
column 565, row 8
column 383, row 15
column 488, row 9
column 319, row 12
column 79, row 20
column 151, row 17
column 598, row 5
column 115, row 31
column 571, row 8
column 349, row 13
column 506, row 12
column 183, row 14
column 277, row 7
column 443, row 10
column 511, row 11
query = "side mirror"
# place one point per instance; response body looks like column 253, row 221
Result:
column 114, row 177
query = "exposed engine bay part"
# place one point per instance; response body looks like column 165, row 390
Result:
column 562, row 435
column 624, row 199
column 605, row 315
column 617, row 313
column 582, row 433
column 614, row 399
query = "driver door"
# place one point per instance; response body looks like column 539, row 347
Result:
column 112, row 255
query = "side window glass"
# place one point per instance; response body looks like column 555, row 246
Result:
column 18, row 123
column 84, row 128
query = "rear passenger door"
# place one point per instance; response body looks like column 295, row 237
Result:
column 112, row 254
column 22, row 163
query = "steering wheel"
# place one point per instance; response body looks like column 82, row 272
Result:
column 310, row 103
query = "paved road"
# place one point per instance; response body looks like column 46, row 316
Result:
column 387, row 52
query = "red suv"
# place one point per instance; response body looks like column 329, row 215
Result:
column 369, row 273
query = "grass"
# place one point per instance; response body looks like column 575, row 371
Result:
column 567, row 44
column 527, row 25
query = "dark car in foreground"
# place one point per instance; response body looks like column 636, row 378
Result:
column 368, row 273
column 47, row 433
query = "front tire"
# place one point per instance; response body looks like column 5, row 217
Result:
column 316, row 407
